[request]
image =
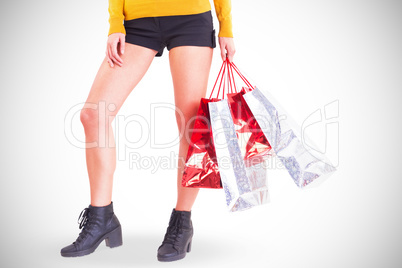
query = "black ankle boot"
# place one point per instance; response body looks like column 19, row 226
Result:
column 97, row 224
column 178, row 237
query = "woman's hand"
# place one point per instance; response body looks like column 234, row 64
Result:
column 227, row 48
column 112, row 53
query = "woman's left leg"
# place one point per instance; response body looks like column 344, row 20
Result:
column 190, row 66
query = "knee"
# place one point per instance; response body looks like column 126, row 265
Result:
column 183, row 122
column 186, row 116
column 89, row 118
column 185, row 127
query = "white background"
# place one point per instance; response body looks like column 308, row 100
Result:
column 306, row 53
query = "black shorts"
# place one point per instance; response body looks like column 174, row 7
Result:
column 171, row 31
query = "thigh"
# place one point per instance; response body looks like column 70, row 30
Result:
column 190, row 66
column 113, row 85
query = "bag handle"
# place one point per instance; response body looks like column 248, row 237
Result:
column 221, row 78
column 226, row 79
column 233, row 66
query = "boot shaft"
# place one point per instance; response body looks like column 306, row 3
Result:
column 98, row 219
column 182, row 218
column 103, row 215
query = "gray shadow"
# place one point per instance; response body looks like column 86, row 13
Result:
column 141, row 250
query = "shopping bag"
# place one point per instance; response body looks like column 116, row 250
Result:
column 201, row 167
column 245, row 186
column 241, row 152
column 253, row 144
column 304, row 164
column 240, row 158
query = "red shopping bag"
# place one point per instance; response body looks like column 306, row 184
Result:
column 253, row 143
column 201, row 167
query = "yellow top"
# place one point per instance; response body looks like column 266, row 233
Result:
column 120, row 10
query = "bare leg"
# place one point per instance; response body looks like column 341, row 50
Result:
column 110, row 89
column 190, row 66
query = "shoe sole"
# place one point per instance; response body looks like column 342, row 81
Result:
column 177, row 257
column 113, row 239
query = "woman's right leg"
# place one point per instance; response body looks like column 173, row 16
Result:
column 111, row 87
column 108, row 93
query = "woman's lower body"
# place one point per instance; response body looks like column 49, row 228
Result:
column 190, row 40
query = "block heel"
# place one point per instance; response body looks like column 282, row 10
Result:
column 114, row 239
column 189, row 246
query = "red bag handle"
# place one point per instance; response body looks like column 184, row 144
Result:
column 220, row 78
column 240, row 74
column 226, row 77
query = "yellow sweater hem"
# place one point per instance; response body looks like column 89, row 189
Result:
column 120, row 10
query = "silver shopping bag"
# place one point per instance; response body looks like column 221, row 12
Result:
column 304, row 165
column 244, row 183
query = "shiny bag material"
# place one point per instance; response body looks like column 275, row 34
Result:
column 253, row 144
column 226, row 145
column 244, row 181
column 201, row 167
column 241, row 148
column 305, row 165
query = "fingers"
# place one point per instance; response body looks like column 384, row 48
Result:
column 109, row 53
column 111, row 50
column 222, row 46
column 115, row 55
column 223, row 53
column 109, row 60
column 122, row 43
column 230, row 53
column 230, row 50
column 227, row 48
